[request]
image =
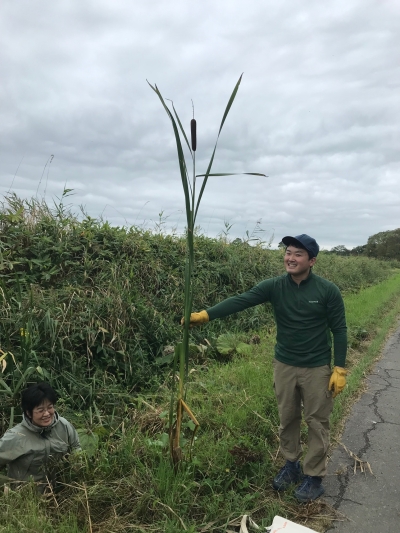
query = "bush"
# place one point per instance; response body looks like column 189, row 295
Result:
column 91, row 307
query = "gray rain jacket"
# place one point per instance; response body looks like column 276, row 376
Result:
column 29, row 451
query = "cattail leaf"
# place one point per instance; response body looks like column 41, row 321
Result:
column 181, row 127
column 181, row 157
column 233, row 174
column 182, row 349
column 230, row 102
column 227, row 109
column 203, row 186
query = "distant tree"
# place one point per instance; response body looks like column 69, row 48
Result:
column 384, row 245
column 358, row 250
column 340, row 249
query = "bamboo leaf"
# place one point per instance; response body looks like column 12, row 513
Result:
column 6, row 387
column 28, row 372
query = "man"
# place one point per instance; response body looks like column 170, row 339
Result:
column 306, row 309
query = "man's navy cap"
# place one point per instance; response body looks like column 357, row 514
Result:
column 306, row 241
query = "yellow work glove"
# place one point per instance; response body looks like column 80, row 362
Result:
column 338, row 380
column 196, row 319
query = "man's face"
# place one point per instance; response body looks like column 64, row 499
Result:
column 297, row 262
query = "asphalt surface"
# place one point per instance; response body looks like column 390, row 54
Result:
column 370, row 502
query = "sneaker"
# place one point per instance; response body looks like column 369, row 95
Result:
column 310, row 489
column 288, row 474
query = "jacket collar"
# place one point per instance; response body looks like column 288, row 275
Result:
column 302, row 282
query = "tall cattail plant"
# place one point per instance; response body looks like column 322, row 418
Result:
column 192, row 203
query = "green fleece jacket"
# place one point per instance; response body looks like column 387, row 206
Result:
column 305, row 316
column 29, row 450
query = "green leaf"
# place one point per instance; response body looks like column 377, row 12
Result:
column 230, row 102
column 232, row 174
column 43, row 372
column 180, row 126
column 229, row 343
column 181, row 159
column 243, row 349
column 203, row 186
column 229, row 105
column 165, row 359
column 28, row 372
column 6, row 387
column 89, row 441
column 191, row 425
column 226, row 344
column 164, row 439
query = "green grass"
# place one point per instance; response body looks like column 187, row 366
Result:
column 129, row 485
column 374, row 312
column 26, row 512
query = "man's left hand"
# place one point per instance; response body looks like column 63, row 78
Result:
column 338, row 380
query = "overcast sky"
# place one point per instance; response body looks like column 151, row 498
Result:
column 318, row 111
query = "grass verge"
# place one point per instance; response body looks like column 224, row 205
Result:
column 371, row 316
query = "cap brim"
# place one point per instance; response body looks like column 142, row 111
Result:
column 287, row 240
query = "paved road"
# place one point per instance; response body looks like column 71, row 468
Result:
column 370, row 502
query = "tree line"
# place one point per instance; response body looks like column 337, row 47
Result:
column 382, row 245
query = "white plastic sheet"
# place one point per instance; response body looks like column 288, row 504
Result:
column 281, row 525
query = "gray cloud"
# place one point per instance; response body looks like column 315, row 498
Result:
column 318, row 111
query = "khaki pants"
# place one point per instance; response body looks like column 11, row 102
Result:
column 293, row 386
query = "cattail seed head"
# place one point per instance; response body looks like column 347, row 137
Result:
column 193, row 134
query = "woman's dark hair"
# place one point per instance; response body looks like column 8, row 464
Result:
column 35, row 395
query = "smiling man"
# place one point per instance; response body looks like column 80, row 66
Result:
column 307, row 309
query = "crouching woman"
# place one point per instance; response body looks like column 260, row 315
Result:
column 32, row 448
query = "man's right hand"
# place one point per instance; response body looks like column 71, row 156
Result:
column 196, row 319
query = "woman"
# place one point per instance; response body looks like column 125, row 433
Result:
column 31, row 448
